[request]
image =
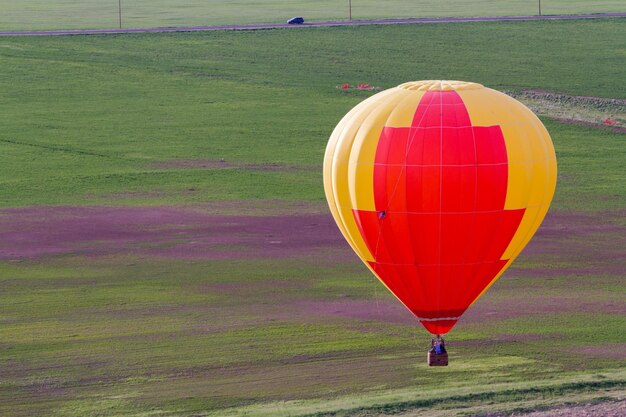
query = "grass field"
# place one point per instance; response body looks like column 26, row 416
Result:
column 165, row 248
column 78, row 14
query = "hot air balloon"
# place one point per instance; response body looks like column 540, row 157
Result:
column 438, row 186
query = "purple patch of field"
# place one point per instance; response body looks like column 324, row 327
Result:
column 503, row 338
column 592, row 245
column 487, row 309
column 588, row 244
column 175, row 232
column 577, row 244
column 388, row 311
column 498, row 308
column 608, row 351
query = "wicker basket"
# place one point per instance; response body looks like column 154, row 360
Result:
column 437, row 359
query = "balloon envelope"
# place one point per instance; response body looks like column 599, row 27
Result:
column 438, row 186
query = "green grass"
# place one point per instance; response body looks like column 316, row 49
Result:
column 73, row 14
column 86, row 120
column 585, row 181
column 79, row 336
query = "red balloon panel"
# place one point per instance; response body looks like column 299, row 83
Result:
column 440, row 228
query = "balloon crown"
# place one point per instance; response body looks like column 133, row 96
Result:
column 439, row 85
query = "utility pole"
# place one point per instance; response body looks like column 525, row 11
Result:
column 119, row 11
column 349, row 9
column 539, row 7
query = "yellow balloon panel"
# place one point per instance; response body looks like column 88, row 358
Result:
column 420, row 177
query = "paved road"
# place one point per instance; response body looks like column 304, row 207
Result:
column 313, row 24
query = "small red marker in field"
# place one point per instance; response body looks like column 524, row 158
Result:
column 360, row 86
column 610, row 122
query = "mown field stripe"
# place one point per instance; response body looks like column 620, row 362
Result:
column 404, row 400
column 510, row 395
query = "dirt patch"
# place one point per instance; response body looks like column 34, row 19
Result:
column 604, row 409
column 616, row 129
column 587, row 100
column 222, row 164
column 177, row 232
column 584, row 110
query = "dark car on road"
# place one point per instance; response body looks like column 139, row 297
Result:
column 296, row 20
